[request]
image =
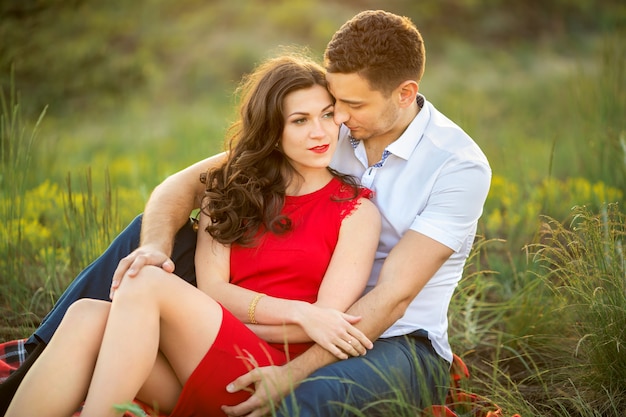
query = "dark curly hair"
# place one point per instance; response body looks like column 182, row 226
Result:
column 384, row 48
column 246, row 194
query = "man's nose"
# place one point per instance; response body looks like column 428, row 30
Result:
column 341, row 115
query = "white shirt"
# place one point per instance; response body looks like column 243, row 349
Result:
column 434, row 180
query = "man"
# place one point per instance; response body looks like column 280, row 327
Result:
column 430, row 182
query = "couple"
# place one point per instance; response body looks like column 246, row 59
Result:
column 430, row 181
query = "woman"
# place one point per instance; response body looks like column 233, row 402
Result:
column 288, row 247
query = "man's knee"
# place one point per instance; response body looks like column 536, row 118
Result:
column 313, row 397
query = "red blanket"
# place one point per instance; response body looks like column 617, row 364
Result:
column 12, row 354
column 459, row 402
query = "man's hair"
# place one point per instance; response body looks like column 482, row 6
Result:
column 384, row 48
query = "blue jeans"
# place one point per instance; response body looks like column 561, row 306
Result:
column 95, row 280
column 398, row 377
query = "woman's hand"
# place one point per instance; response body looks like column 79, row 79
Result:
column 334, row 331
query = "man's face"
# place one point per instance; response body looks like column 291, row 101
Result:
column 367, row 113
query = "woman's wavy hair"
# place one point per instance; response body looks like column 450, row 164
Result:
column 246, row 194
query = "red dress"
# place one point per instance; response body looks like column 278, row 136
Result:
column 289, row 266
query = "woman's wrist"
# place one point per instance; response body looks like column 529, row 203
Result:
column 301, row 310
column 252, row 308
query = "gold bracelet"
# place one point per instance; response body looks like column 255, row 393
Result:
column 252, row 308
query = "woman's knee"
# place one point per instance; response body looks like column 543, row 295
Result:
column 87, row 312
column 147, row 281
column 88, row 306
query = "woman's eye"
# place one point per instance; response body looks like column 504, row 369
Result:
column 329, row 115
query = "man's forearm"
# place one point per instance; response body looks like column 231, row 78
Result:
column 171, row 203
column 377, row 315
column 159, row 226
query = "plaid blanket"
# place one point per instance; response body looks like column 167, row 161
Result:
column 459, row 402
column 12, row 354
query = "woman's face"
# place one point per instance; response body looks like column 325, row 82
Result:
column 310, row 134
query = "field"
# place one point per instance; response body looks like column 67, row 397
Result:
column 101, row 103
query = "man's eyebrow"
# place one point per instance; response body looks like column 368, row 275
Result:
column 348, row 101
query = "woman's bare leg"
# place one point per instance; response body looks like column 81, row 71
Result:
column 155, row 310
column 162, row 388
column 58, row 381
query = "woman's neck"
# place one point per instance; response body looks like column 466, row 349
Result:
column 309, row 182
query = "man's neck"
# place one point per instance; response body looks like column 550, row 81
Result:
column 375, row 146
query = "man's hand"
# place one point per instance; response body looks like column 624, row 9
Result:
column 271, row 385
column 140, row 257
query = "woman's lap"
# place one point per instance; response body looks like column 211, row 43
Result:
column 236, row 351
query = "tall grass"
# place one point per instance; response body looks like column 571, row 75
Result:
column 586, row 268
column 555, row 345
column 47, row 233
column 16, row 166
column 90, row 220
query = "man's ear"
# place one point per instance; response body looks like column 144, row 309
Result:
column 407, row 92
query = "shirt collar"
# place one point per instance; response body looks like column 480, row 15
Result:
column 404, row 146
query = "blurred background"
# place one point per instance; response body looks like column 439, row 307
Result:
column 153, row 79
column 101, row 100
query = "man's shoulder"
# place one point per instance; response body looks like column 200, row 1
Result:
column 449, row 137
column 441, row 125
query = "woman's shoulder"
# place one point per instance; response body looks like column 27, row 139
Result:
column 359, row 202
column 361, row 217
column 366, row 207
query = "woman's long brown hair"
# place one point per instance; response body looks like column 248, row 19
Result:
column 246, row 194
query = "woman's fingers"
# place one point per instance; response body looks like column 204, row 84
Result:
column 354, row 344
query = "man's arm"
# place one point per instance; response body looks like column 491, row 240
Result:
column 407, row 269
column 170, row 204
column 166, row 211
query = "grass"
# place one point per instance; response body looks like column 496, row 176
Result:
column 539, row 316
